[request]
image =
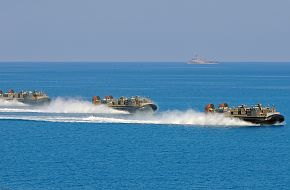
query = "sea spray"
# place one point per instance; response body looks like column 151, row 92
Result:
column 60, row 105
column 175, row 117
column 70, row 105
column 12, row 103
column 76, row 110
column 189, row 118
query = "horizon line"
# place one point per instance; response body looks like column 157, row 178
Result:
column 137, row 61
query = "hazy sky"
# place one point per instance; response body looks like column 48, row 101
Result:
column 147, row 30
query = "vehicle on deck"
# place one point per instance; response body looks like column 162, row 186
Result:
column 132, row 104
column 256, row 114
column 26, row 97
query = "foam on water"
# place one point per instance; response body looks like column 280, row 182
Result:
column 189, row 117
column 74, row 110
column 59, row 105
column 169, row 118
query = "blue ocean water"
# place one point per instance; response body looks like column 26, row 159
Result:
column 71, row 144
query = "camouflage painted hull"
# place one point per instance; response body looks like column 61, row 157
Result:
column 134, row 109
column 28, row 101
column 269, row 120
column 36, row 102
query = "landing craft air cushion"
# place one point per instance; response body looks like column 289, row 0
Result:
column 256, row 114
column 131, row 105
column 26, row 97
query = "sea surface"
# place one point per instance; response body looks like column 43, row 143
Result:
column 71, row 144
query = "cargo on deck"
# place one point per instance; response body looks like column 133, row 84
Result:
column 26, row 97
column 256, row 114
column 132, row 104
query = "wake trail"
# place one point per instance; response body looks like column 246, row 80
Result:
column 59, row 105
column 188, row 117
column 79, row 111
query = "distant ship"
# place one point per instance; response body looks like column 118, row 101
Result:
column 26, row 97
column 199, row 60
column 256, row 114
column 132, row 105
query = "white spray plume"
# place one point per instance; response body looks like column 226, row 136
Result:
column 189, row 117
column 61, row 105
column 11, row 103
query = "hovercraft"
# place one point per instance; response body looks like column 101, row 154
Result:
column 131, row 105
column 256, row 114
column 27, row 97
